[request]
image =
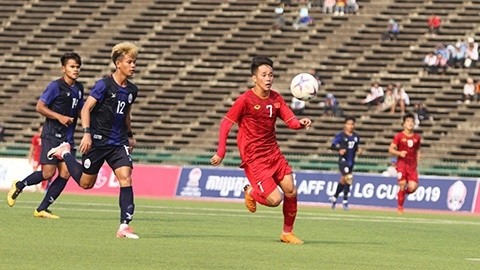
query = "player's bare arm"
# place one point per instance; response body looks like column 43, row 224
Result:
column 43, row 109
column 86, row 142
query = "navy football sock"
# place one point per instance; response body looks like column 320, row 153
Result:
column 126, row 204
column 74, row 168
column 33, row 179
column 56, row 187
column 339, row 189
column 346, row 190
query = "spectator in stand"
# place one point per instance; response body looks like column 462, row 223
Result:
column 375, row 97
column 328, row 6
column 421, row 114
column 457, row 55
column 430, row 63
column 303, row 19
column 2, row 134
column 331, row 107
column 401, row 99
column 477, row 91
column 340, row 7
column 468, row 91
column 471, row 53
column 434, row 22
column 351, row 7
column 279, row 23
column 388, row 99
column 392, row 31
column 441, row 64
column 297, row 106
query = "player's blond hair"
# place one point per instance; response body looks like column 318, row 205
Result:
column 124, row 48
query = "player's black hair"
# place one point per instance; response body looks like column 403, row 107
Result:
column 408, row 115
column 347, row 118
column 259, row 61
column 70, row 55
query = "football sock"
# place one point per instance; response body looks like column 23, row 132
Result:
column 340, row 188
column 33, row 179
column 346, row 190
column 259, row 198
column 55, row 189
column 289, row 213
column 126, row 204
column 401, row 197
column 74, row 168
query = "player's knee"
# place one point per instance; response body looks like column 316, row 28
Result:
column 274, row 201
column 86, row 185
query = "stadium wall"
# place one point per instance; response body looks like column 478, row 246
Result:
column 453, row 194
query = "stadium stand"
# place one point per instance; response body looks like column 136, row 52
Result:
column 195, row 58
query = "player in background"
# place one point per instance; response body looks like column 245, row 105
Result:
column 34, row 157
column 60, row 103
column 108, row 136
column 347, row 143
column 266, row 168
column 406, row 146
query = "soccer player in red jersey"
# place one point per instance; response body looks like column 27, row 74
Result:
column 406, row 146
column 265, row 166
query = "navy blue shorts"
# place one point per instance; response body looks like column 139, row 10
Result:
column 46, row 146
column 116, row 156
column 345, row 168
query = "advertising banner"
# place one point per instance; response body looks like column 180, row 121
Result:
column 12, row 169
column 148, row 181
column 436, row 193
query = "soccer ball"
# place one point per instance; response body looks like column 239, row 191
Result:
column 304, row 86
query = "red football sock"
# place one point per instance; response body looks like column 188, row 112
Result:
column 289, row 213
column 259, row 198
column 401, row 197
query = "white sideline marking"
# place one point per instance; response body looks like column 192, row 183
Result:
column 197, row 211
column 473, row 259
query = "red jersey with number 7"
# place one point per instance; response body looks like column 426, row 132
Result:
column 256, row 119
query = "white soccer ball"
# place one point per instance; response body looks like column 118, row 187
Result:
column 304, row 86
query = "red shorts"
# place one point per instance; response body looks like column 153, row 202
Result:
column 266, row 175
column 406, row 172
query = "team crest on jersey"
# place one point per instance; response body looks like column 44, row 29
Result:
column 68, row 94
column 256, row 107
column 276, row 105
column 130, row 98
column 114, row 95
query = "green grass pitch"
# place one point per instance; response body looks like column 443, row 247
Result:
column 181, row 234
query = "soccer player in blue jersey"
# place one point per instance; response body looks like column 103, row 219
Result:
column 60, row 103
column 347, row 143
column 108, row 133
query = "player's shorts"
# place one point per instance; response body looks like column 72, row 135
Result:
column 46, row 146
column 406, row 172
column 116, row 156
column 344, row 167
column 265, row 176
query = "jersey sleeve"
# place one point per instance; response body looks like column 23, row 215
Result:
column 396, row 139
column 98, row 90
column 50, row 93
column 233, row 115
column 287, row 115
column 337, row 142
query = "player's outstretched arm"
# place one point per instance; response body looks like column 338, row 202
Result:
column 306, row 122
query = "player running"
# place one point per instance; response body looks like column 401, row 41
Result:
column 347, row 144
column 266, row 168
column 406, row 146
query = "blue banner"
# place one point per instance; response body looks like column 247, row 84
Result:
column 436, row 193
